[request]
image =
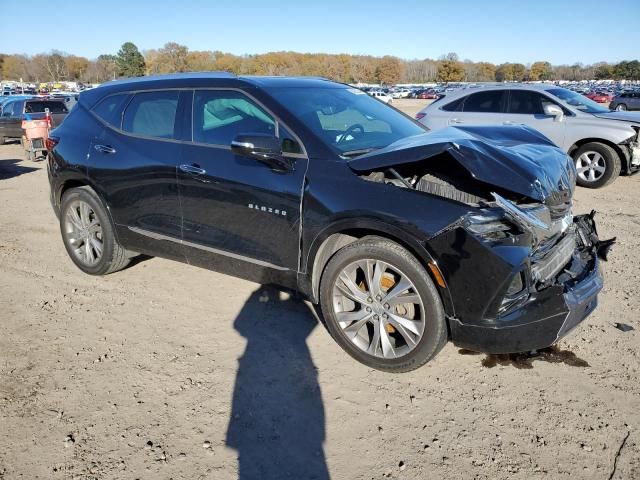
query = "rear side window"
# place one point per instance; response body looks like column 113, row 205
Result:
column 484, row 102
column 455, row 106
column 152, row 114
column 40, row 107
column 110, row 109
column 526, row 102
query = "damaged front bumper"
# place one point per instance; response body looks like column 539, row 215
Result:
column 548, row 314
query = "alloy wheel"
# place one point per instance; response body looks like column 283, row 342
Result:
column 83, row 232
column 378, row 308
column 621, row 108
column 590, row 166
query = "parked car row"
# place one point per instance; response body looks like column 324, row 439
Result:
column 406, row 238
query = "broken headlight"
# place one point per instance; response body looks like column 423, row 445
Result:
column 490, row 225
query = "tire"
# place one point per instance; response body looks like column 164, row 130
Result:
column 2, row 140
column 597, row 165
column 89, row 226
column 357, row 335
column 621, row 107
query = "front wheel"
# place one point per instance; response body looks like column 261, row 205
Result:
column 88, row 234
column 381, row 306
column 597, row 165
column 621, row 107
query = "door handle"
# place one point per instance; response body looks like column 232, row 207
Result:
column 455, row 120
column 508, row 122
column 192, row 169
column 104, row 148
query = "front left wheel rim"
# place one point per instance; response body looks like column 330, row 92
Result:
column 378, row 308
column 590, row 166
column 83, row 232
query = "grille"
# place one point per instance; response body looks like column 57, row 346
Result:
column 551, row 264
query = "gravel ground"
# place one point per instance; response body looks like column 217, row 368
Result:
column 167, row 371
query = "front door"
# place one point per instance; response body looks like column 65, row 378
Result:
column 235, row 209
column 527, row 107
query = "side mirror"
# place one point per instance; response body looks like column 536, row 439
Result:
column 264, row 148
column 554, row 111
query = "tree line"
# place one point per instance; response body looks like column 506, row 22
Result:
column 173, row 57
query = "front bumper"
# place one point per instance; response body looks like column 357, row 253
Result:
column 546, row 316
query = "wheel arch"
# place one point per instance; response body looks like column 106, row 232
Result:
column 337, row 236
column 624, row 158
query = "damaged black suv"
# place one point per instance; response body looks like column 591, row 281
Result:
column 405, row 238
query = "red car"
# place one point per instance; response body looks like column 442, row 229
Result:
column 600, row 97
column 428, row 94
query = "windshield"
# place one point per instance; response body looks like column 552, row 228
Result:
column 577, row 100
column 347, row 119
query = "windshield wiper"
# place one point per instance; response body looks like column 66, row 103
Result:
column 360, row 151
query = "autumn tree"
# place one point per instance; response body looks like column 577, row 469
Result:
column 450, row 69
column 510, row 72
column 201, row 61
column 130, row 61
column 541, row 71
column 388, row 70
column 173, row 58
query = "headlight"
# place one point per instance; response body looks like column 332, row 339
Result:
column 490, row 225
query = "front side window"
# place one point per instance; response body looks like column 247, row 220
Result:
column 484, row 102
column 152, row 114
column 221, row 115
column 349, row 121
column 110, row 109
column 526, row 102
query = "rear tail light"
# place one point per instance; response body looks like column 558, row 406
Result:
column 51, row 142
column 420, row 115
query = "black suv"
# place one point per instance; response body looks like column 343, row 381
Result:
column 405, row 238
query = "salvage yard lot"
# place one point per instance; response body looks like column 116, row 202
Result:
column 164, row 370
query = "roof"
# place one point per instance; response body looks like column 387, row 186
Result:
column 506, row 86
column 202, row 80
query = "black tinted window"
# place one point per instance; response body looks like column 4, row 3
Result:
column 527, row 102
column 110, row 109
column 484, row 102
column 455, row 106
column 219, row 116
column 288, row 142
column 40, row 107
column 7, row 110
column 152, row 114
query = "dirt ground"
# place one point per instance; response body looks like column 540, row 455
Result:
column 164, row 370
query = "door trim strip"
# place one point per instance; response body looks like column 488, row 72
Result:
column 160, row 236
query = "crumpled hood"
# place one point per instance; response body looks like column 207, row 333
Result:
column 513, row 158
column 631, row 117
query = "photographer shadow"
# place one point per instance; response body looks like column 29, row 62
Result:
column 277, row 420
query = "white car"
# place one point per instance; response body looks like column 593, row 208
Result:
column 383, row 97
column 401, row 93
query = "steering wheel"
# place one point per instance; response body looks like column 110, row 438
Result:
column 350, row 131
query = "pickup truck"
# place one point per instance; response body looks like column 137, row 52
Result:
column 15, row 111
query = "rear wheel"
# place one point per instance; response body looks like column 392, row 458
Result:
column 381, row 306
column 88, row 235
column 621, row 107
column 597, row 165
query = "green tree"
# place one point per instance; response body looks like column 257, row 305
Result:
column 603, row 71
column 130, row 61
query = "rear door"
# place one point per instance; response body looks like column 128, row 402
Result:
column 12, row 119
column 526, row 107
column 480, row 108
column 134, row 160
column 635, row 101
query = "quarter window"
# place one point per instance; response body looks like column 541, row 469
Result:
column 484, row 102
column 40, row 107
column 220, row 115
column 152, row 114
column 110, row 109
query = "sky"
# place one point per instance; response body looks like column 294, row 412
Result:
column 497, row 31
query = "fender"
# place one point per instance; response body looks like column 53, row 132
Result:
column 309, row 275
